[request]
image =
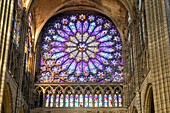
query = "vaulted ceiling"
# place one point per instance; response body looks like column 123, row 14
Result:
column 42, row 10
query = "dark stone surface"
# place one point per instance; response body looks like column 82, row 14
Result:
column 167, row 5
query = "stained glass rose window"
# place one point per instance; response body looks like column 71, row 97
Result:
column 81, row 48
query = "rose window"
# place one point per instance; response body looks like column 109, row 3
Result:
column 81, row 48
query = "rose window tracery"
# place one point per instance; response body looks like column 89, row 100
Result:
column 81, row 48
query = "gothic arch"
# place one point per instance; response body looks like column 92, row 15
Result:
column 97, row 6
column 149, row 100
column 7, row 100
column 94, row 73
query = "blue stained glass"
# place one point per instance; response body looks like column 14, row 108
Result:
column 61, row 60
column 72, row 78
column 51, row 31
column 57, row 44
column 91, row 27
column 46, row 77
column 47, row 39
column 100, row 75
column 72, row 27
column 76, row 100
column 100, row 100
column 55, row 69
column 97, row 30
column 92, row 67
column 101, row 34
column 105, row 38
column 82, row 78
column 57, row 25
column 76, row 47
column 106, row 55
column 61, row 100
column 67, row 101
column 106, row 44
column 108, row 69
column 46, row 47
column 91, row 78
column 67, row 30
column 73, row 18
column 58, row 55
column 81, row 100
column 90, row 101
column 58, row 38
column 47, row 100
column 64, row 21
column 118, row 46
column 85, row 26
column 91, row 18
column 71, row 100
column 62, row 34
column 115, row 100
column 72, row 67
column 99, row 20
column 57, row 100
column 102, row 59
column 97, row 64
column 66, row 64
column 105, row 100
column 110, row 100
column 55, row 50
column 79, row 26
column 105, row 49
column 120, row 100
column 96, row 100
column 52, row 101
column 86, row 99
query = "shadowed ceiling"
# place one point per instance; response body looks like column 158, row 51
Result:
column 42, row 10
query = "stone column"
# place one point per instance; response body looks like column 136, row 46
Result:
column 7, row 35
column 158, row 41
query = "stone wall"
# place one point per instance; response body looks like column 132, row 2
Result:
column 159, row 76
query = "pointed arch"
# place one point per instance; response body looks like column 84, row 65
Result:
column 79, row 88
column 99, row 87
column 149, row 100
column 71, row 88
column 91, row 89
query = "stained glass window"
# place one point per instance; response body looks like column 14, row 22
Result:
column 120, row 100
column 67, row 101
column 81, row 48
column 71, row 100
column 139, row 5
column 17, row 23
column 96, row 100
column 115, row 100
column 86, row 100
column 76, row 100
column 100, row 100
column 90, row 101
column 57, row 100
column 110, row 100
column 51, row 101
column 61, row 100
column 105, row 100
column 81, row 100
column 47, row 100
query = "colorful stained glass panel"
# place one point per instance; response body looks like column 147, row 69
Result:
column 76, row 47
